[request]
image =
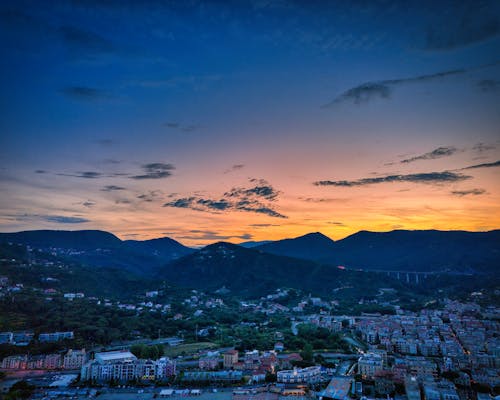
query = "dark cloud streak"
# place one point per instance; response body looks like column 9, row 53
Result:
column 84, row 93
column 369, row 91
column 484, row 165
column 111, row 188
column 427, row 178
column 432, row 155
column 155, row 171
column 85, row 175
column 60, row 219
column 461, row 193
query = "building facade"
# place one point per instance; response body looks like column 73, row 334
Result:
column 296, row 375
column 123, row 366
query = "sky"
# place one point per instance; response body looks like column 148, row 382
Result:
column 249, row 120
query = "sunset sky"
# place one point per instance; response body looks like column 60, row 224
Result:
column 249, row 120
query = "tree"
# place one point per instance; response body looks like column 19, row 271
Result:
column 20, row 390
column 270, row 378
column 307, row 353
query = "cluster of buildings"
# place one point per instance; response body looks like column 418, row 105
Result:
column 423, row 346
column 430, row 389
column 456, row 335
column 271, row 304
column 123, row 366
column 6, row 287
column 330, row 322
column 24, row 338
column 73, row 359
column 21, row 338
column 253, row 363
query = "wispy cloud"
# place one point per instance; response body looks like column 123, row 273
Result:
column 235, row 167
column 59, row 219
column 85, row 93
column 484, row 165
column 262, row 225
column 185, row 202
column 84, row 174
column 85, row 44
column 256, row 199
column 461, row 193
column 151, row 196
column 198, row 234
column 111, row 161
column 336, row 223
column 181, row 127
column 111, row 188
column 483, row 147
column 155, row 171
column 123, row 201
column 469, row 23
column 427, row 178
column 324, row 200
column 432, row 155
column 262, row 189
column 195, row 81
column 489, row 85
column 383, row 89
column 106, row 142
column 363, row 94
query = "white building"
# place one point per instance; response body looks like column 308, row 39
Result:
column 74, row 359
column 124, row 366
column 55, row 336
column 296, row 375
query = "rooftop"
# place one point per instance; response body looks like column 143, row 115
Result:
column 115, row 356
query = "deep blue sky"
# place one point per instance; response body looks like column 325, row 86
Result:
column 143, row 117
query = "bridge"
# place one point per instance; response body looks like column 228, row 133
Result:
column 415, row 277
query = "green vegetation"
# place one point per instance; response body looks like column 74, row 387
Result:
column 189, row 348
column 153, row 352
column 65, row 275
column 318, row 339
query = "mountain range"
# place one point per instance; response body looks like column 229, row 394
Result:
column 401, row 250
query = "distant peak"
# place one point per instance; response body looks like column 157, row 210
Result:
column 220, row 245
column 315, row 235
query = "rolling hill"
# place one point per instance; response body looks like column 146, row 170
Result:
column 102, row 249
column 250, row 272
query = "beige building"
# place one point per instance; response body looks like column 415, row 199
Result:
column 370, row 364
column 74, row 359
column 230, row 358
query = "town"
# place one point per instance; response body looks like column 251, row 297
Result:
column 449, row 351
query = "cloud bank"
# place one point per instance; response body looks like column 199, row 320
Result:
column 256, row 199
